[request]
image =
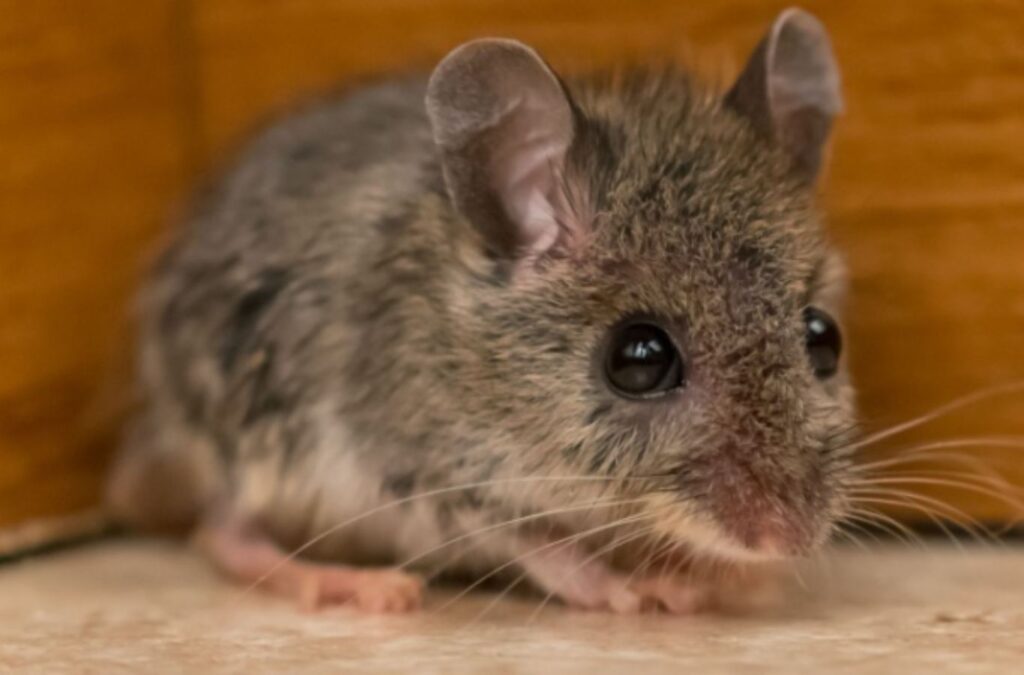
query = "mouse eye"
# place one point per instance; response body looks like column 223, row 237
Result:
column 642, row 361
column 824, row 343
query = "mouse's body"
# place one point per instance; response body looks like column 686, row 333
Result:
column 441, row 287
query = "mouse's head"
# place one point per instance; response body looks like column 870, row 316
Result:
column 663, row 304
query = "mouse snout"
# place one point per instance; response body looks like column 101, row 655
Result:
column 760, row 509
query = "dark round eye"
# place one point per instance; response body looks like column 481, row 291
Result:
column 642, row 361
column 824, row 343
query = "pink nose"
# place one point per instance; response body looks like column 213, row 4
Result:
column 772, row 543
column 769, row 536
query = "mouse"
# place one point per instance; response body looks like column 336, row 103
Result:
column 580, row 330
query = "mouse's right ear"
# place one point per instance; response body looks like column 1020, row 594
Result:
column 789, row 89
column 503, row 124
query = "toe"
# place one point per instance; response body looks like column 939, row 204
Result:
column 673, row 595
column 624, row 601
column 388, row 592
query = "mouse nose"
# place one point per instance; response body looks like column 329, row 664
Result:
column 772, row 538
column 764, row 497
column 765, row 533
column 762, row 517
column 766, row 528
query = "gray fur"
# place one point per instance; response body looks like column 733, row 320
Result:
column 329, row 333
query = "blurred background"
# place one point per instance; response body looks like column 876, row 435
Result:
column 110, row 110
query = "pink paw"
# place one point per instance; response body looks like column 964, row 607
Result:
column 246, row 553
column 378, row 591
column 590, row 584
column 611, row 595
column 670, row 594
column 674, row 595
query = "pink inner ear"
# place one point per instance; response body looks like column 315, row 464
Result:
column 527, row 170
column 504, row 124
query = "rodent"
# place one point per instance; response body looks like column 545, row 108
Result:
column 608, row 299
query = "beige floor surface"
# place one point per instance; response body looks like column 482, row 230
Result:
column 148, row 607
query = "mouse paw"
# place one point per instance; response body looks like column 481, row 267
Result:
column 674, row 595
column 583, row 582
column 247, row 554
column 600, row 592
column 379, row 591
column 580, row 582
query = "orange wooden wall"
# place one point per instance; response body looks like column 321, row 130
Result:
column 109, row 109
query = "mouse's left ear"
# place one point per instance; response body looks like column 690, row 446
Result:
column 790, row 90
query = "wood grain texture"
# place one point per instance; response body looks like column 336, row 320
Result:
column 93, row 149
column 105, row 107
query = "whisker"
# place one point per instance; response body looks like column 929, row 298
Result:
column 683, row 562
column 944, row 482
column 659, row 546
column 888, row 524
column 919, row 453
column 915, row 502
column 983, row 479
column 799, row 576
column 861, row 523
column 516, row 521
column 864, row 522
column 940, row 506
column 840, row 531
column 1011, row 521
column 942, row 410
column 406, row 500
column 962, row 519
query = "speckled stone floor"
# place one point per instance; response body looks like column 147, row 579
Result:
column 146, row 606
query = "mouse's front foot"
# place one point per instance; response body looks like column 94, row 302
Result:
column 247, row 554
column 672, row 594
column 583, row 582
column 374, row 590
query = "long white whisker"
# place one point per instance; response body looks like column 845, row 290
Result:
column 889, row 523
column 929, row 514
column 994, row 481
column 940, row 506
column 921, row 453
column 406, row 500
column 841, row 531
column 517, row 521
column 942, row 410
column 943, row 482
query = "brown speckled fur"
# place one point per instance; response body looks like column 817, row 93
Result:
column 327, row 334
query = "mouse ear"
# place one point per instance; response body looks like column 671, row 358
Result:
column 789, row 89
column 503, row 124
